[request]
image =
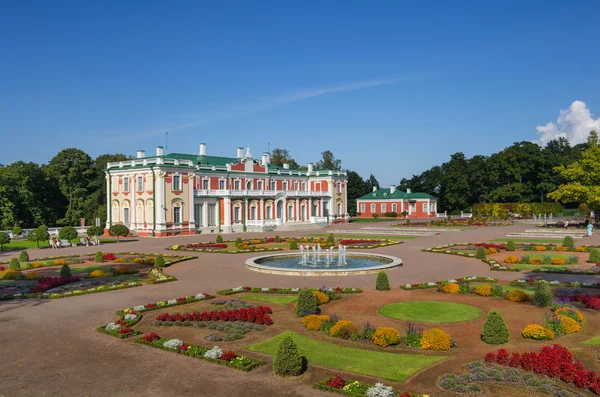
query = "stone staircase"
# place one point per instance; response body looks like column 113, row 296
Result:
column 558, row 234
column 292, row 226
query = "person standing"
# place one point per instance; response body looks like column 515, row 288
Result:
column 566, row 224
column 590, row 228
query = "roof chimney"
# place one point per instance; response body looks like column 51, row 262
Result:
column 141, row 154
column 159, row 151
column 240, row 152
column 265, row 159
column 392, row 189
column 408, row 191
column 374, row 188
column 202, row 151
column 286, row 166
column 310, row 168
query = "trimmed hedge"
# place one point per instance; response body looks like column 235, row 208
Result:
column 382, row 283
column 527, row 209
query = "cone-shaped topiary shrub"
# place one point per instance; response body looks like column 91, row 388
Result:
column 330, row 239
column 23, row 256
column 65, row 271
column 293, row 244
column 511, row 246
column 238, row 241
column 277, row 239
column 287, row 361
column 480, row 253
column 306, row 303
column 98, row 257
column 219, row 239
column 382, row 283
column 159, row 262
column 14, row 264
column 542, row 296
column 569, row 242
column 495, row 330
column 594, row 255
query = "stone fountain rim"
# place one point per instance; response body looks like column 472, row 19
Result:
column 252, row 265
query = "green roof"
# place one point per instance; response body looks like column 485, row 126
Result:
column 384, row 194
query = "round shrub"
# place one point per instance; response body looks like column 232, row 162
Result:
column 343, row 329
column 537, row 332
column 495, row 330
column 382, row 283
column 67, row 233
column 98, row 257
column 238, row 241
column 23, row 256
column 97, row 273
column 65, row 271
column 517, row 296
column 435, row 339
column 306, row 303
column 511, row 246
column 451, row 288
column 385, row 336
column 480, row 254
column 277, row 239
column 321, row 297
column 159, row 261
column 94, row 231
column 594, row 255
column 118, row 231
column 510, row 259
column 4, row 239
column 569, row 242
column 219, row 239
column 14, row 264
column 330, row 239
column 484, row 290
column 293, row 244
column 542, row 296
column 287, row 362
column 314, row 322
column 25, row 265
column 17, row 231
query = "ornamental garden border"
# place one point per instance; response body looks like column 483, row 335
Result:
column 435, row 284
column 265, row 290
column 45, row 295
column 352, row 388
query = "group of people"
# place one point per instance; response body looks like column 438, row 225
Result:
column 87, row 241
column 55, row 242
column 587, row 224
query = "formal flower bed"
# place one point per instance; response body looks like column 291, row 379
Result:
column 367, row 243
column 46, row 295
column 589, row 301
column 162, row 304
column 554, row 361
column 120, row 329
column 555, row 283
column 436, row 284
column 46, row 283
column 258, row 315
column 449, row 249
column 337, row 384
column 214, row 355
column 266, row 290
column 545, row 260
column 159, row 277
column 591, row 271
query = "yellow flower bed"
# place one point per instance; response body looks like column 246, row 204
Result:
column 451, row 288
column 535, row 261
column 33, row 276
column 122, row 270
column 97, row 273
column 493, row 250
column 517, row 296
column 540, row 248
column 59, row 262
column 385, row 336
column 314, row 322
column 562, row 248
column 138, row 260
column 569, row 325
column 343, row 328
column 537, row 332
column 321, row 297
column 559, row 261
column 120, row 260
column 10, row 274
column 36, row 264
column 564, row 310
column 484, row 290
column 510, row 259
column 435, row 339
column 581, row 248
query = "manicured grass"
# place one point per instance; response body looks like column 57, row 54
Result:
column 537, row 254
column 531, row 240
column 389, row 366
column 86, row 269
column 595, row 341
column 23, row 245
column 520, row 266
column 275, row 299
column 431, row 312
column 529, row 290
column 365, row 236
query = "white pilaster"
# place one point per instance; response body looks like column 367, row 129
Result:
column 310, row 203
column 192, row 221
column 218, row 216
column 345, row 206
column 205, row 214
column 429, row 207
column 284, row 211
column 108, row 201
column 298, row 209
column 161, row 206
column 227, row 219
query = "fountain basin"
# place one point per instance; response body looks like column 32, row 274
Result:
column 289, row 264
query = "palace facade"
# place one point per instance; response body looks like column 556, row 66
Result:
column 178, row 194
column 381, row 201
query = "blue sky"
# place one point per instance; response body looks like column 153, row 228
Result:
column 391, row 88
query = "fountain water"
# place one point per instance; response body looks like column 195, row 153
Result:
column 306, row 259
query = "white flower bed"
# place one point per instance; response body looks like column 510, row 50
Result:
column 237, row 289
column 295, row 289
column 173, row 343
column 139, row 308
column 587, row 284
column 172, row 302
column 452, row 280
column 112, row 327
column 264, row 289
column 408, row 286
column 129, row 317
column 200, row 296
column 431, row 284
column 215, row 352
column 521, row 281
column 554, row 282
column 380, row 390
column 132, row 283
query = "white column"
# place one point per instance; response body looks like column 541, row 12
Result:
column 284, row 212
column 192, row 221
column 429, row 207
column 161, row 220
column 133, row 205
column 262, row 209
column 331, row 202
column 205, row 214
column 309, row 217
column 298, row 210
column 227, row 219
column 218, row 215
column 345, row 206
column 402, row 206
column 108, row 201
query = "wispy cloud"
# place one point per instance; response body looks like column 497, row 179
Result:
column 264, row 104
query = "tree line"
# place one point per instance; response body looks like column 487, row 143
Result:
column 72, row 185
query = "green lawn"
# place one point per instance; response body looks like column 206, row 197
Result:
column 528, row 289
column 275, row 299
column 595, row 341
column 537, row 254
column 390, row 366
column 532, row 267
column 86, row 269
column 360, row 236
column 531, row 240
column 19, row 245
column 431, row 312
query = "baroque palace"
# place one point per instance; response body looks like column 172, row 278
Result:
column 177, row 194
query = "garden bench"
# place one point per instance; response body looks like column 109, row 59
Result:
column 65, row 243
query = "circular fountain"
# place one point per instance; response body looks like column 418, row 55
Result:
column 316, row 261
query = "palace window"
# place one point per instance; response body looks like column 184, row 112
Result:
column 212, row 214
column 205, row 184
column 340, row 209
column 252, row 213
column 222, row 184
column 394, row 208
column 339, row 187
column 383, row 208
column 125, row 184
column 412, row 207
column 177, row 213
column 269, row 210
column 259, row 185
column 373, row 209
column 176, row 182
column 140, row 183
column 285, row 185
column 363, row 208
column 290, row 211
column 236, row 214
column 236, row 185
column 304, row 186
column 249, row 185
column 273, row 185
column 425, row 207
column 295, row 185
column 198, row 214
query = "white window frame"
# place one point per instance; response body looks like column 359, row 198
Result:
column 205, row 183
column 363, row 208
column 221, row 184
column 177, row 212
column 395, row 208
column 339, row 187
column 383, row 208
column 269, row 212
column 237, row 211
column 140, row 183
column 236, row 184
column 412, row 207
column 425, row 207
column 290, row 211
column 253, row 212
column 373, row 208
column 125, row 184
column 259, row 185
column 273, row 185
column 176, row 183
column 296, row 186
column 249, row 185
column 285, row 185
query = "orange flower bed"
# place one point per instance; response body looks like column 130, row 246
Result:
column 562, row 248
column 314, row 322
column 484, row 290
column 581, row 248
column 540, row 248
column 493, row 250
column 564, row 310
column 385, row 336
column 537, row 332
column 569, row 325
column 559, row 261
column 510, row 259
column 59, row 262
column 343, row 328
column 36, row 264
column 517, row 296
column 321, row 297
column 97, row 273
column 535, row 261
column 435, row 339
column 451, row 288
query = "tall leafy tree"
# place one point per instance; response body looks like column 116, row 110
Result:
column 370, row 183
column 97, row 187
column 455, row 191
column 355, row 189
column 329, row 162
column 281, row 156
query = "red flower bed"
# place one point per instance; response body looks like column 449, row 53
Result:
column 488, row 246
column 125, row 330
column 204, row 246
column 555, row 361
column 109, row 257
column 590, row 301
column 359, row 242
column 281, row 239
column 149, row 306
column 258, row 315
column 152, row 336
column 337, row 382
column 228, row 356
column 46, row 283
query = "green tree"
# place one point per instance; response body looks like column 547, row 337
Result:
column 97, row 187
column 510, row 246
column 94, row 231
column 98, row 258
column 594, row 255
column 65, row 271
column 219, row 239
column 542, row 296
column 67, row 233
column 16, row 230
column 495, row 330
column 480, row 254
column 355, row 189
column 293, row 244
column 306, row 303
column 39, row 234
column 159, row 261
column 118, row 231
column 569, row 242
column 283, row 156
column 331, row 239
column 4, row 239
column 382, row 283
column 287, row 361
column 14, row 264
column 370, row 183
column 329, row 162
column 455, row 190
column 23, row 256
